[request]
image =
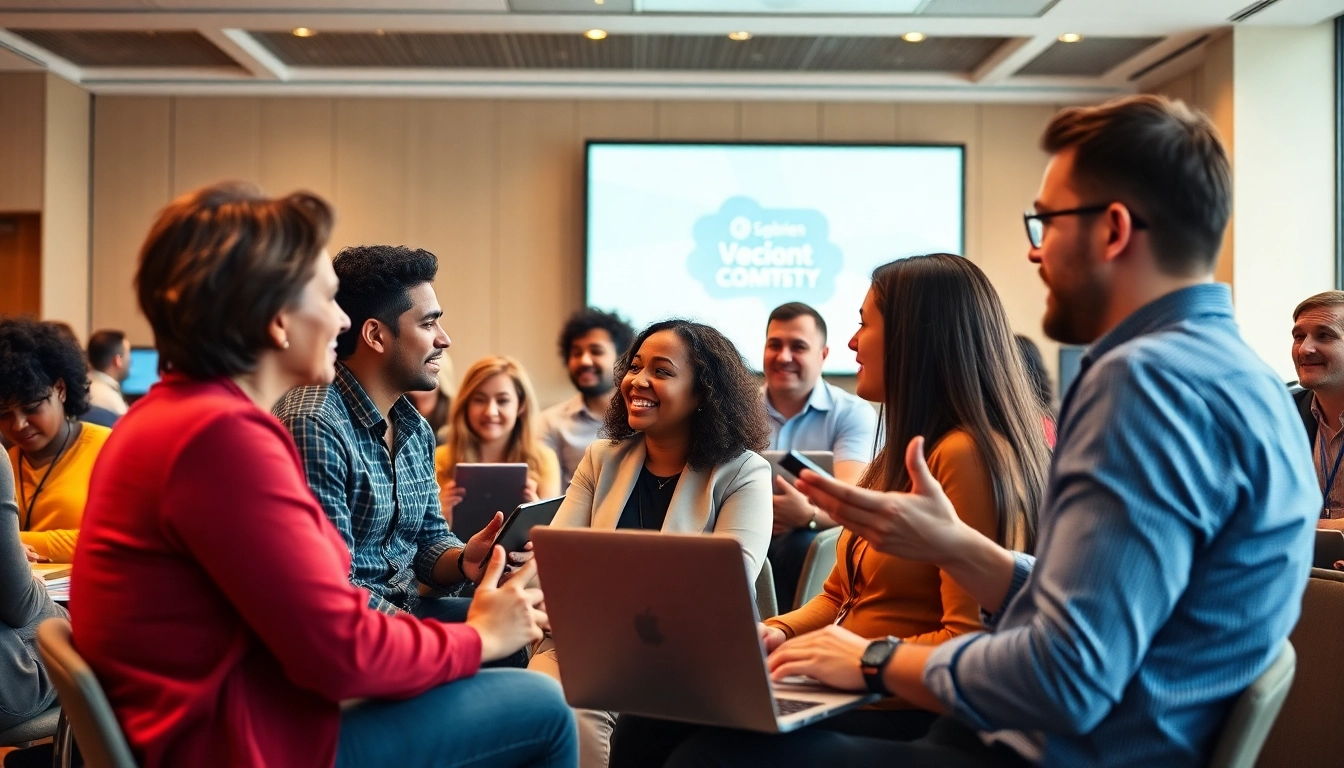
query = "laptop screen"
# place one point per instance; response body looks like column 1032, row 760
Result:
column 144, row 371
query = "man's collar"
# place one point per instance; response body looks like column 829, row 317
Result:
column 106, row 379
column 1320, row 416
column 356, row 399
column 1174, row 307
column 820, row 399
column 578, row 406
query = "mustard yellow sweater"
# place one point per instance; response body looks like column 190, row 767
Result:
column 52, row 525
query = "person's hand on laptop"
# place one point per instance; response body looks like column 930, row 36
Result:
column 830, row 655
column 771, row 637
column 921, row 525
column 506, row 616
column 792, row 509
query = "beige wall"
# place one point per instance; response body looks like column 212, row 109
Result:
column 495, row 189
column 65, row 205
column 23, row 106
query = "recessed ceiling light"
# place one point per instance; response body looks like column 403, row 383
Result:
column 600, row 2
column 1070, row 37
column 595, row 34
column 379, row 32
column 913, row 37
column 739, row 35
column 303, row 32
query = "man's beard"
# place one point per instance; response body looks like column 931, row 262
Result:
column 603, row 385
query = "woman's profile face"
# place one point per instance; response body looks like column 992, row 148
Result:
column 312, row 325
column 659, row 387
column 32, row 426
column 492, row 410
column 869, row 351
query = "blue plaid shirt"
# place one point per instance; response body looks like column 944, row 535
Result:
column 387, row 509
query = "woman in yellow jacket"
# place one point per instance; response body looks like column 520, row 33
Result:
column 44, row 387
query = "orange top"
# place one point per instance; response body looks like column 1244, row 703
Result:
column 52, row 526
column 889, row 595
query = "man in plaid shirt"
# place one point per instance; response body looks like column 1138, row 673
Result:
column 367, row 452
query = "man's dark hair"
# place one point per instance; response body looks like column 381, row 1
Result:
column 217, row 267
column 588, row 319
column 104, row 346
column 33, row 357
column 731, row 418
column 796, row 309
column 1161, row 159
column 376, row 283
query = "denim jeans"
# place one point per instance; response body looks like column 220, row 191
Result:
column 500, row 718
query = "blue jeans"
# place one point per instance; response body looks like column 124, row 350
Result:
column 499, row 717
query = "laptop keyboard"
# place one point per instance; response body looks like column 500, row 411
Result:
column 785, row 707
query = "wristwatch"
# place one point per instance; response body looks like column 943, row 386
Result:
column 874, row 663
column 812, row 524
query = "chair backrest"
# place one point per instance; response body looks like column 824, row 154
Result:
column 816, row 566
column 100, row 739
column 767, row 604
column 1301, row 736
column 1254, row 713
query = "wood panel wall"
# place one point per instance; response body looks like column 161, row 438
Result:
column 494, row 188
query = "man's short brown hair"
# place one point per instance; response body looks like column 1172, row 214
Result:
column 218, row 266
column 1325, row 300
column 1164, row 161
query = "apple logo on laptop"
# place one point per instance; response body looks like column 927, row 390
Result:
column 646, row 626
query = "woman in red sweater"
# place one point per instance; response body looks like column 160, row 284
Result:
column 210, row 593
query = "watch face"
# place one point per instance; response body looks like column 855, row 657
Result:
column 877, row 653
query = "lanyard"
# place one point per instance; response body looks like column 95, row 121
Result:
column 29, row 502
column 1328, row 479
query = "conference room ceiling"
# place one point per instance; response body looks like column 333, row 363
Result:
column 983, row 50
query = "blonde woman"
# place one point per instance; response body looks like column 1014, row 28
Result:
column 493, row 421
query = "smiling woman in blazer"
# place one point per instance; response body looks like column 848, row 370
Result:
column 680, row 457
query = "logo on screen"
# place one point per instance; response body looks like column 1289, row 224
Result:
column 774, row 254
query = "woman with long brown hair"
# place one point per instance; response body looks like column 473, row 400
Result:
column 495, row 421
column 935, row 349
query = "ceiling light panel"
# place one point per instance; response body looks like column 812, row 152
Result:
column 1089, row 57
column 989, row 8
column 786, row 7
column 572, row 6
column 109, row 48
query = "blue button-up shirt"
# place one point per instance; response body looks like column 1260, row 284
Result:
column 833, row 420
column 1176, row 540
column 386, row 510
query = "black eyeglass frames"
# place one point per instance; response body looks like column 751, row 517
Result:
column 1035, row 222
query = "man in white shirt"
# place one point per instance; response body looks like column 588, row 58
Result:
column 807, row 414
column 589, row 344
column 109, row 364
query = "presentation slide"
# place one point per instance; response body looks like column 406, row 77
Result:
column 724, row 233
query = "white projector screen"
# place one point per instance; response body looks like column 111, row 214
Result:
column 724, row 233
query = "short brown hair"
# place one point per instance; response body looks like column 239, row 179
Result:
column 218, row 265
column 1164, row 161
column 1325, row 300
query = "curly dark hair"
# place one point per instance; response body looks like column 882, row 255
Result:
column 588, row 319
column 376, row 283
column 33, row 357
column 731, row 418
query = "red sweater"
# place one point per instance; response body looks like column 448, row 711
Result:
column 210, row 593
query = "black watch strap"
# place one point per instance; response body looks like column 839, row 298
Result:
column 874, row 663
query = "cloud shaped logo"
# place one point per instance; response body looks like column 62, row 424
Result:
column 774, row 254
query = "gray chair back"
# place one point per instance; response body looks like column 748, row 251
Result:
column 816, row 566
column 1300, row 737
column 1254, row 713
column 100, row 739
column 767, row 604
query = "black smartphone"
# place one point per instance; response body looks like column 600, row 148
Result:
column 517, row 530
column 795, row 462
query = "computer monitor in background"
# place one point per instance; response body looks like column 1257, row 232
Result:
column 144, row 372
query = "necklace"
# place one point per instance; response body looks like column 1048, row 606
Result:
column 663, row 483
column 29, row 502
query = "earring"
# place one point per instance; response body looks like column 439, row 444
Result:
column 285, row 345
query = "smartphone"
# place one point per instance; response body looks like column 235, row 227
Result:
column 795, row 462
column 517, row 530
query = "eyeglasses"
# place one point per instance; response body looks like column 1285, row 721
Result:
column 1035, row 222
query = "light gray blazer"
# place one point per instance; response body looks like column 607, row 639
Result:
column 733, row 498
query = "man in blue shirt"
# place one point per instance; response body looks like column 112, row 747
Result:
column 1175, row 538
column 807, row 414
column 367, row 452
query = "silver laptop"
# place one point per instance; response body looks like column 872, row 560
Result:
column 823, row 459
column 639, row 631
